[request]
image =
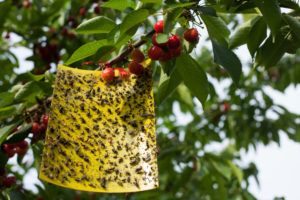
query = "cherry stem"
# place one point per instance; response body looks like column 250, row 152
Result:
column 128, row 50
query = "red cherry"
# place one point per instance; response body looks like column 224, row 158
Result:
column 191, row 35
column 176, row 52
column 97, row 9
column 20, row 151
column 137, row 55
column 35, row 128
column 155, row 52
column 159, row 26
column 8, row 150
column 225, row 107
column 123, row 73
column 45, row 119
column 23, row 144
column 82, row 11
column 174, row 42
column 9, row 181
column 108, row 74
column 155, row 43
column 107, row 65
column 135, row 68
column 167, row 55
column 42, row 128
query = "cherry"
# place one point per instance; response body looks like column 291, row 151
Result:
column 167, row 55
column 8, row 150
column 135, row 68
column 42, row 128
column 159, row 26
column 123, row 73
column 137, row 55
column 225, row 107
column 174, row 42
column 97, row 9
column 155, row 52
column 45, row 119
column 155, row 43
column 108, row 74
column 176, row 52
column 35, row 128
column 23, row 144
column 9, row 181
column 82, row 11
column 107, row 65
column 191, row 35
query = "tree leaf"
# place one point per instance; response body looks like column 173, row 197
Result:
column 225, row 57
column 193, row 76
column 132, row 19
column 7, row 111
column 257, row 35
column 167, row 86
column 207, row 11
column 96, row 25
column 216, row 28
column 5, row 7
column 241, row 35
column 271, row 51
column 119, row 5
column 271, row 13
column 6, row 98
column 152, row 1
column 171, row 19
column 86, row 50
column 4, row 131
column 294, row 24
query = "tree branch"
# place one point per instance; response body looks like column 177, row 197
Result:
column 128, row 50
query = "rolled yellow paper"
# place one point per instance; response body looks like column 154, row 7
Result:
column 100, row 136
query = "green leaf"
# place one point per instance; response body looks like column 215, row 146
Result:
column 180, row 5
column 96, row 25
column 241, row 35
column 271, row 13
column 162, row 38
column 5, row 131
column 168, row 86
column 193, row 76
column 152, row 1
column 225, row 57
column 236, row 171
column 222, row 169
column 216, row 28
column 207, row 11
column 6, row 98
column 171, row 19
column 294, row 24
column 257, row 35
column 119, row 5
column 132, row 19
column 5, row 7
column 31, row 90
column 86, row 50
column 7, row 111
column 271, row 51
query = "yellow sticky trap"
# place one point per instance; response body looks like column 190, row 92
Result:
column 100, row 137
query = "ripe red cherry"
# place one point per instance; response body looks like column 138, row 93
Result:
column 167, row 55
column 225, row 107
column 9, row 181
column 159, row 26
column 82, row 11
column 42, row 128
column 174, row 42
column 135, row 68
column 35, row 128
column 97, row 9
column 45, row 119
column 176, row 52
column 23, row 144
column 123, row 73
column 8, row 150
column 137, row 55
column 155, row 52
column 191, row 35
column 108, row 74
column 155, row 43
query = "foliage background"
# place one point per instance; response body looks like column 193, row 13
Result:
column 187, row 169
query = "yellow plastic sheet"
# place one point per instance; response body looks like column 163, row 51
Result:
column 101, row 136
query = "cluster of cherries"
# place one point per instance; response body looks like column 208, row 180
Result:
column 6, row 181
column 159, row 51
column 39, row 127
column 19, row 148
column 134, row 67
column 172, row 48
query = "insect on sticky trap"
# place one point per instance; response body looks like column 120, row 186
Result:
column 100, row 136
